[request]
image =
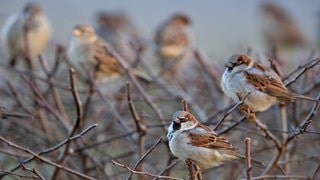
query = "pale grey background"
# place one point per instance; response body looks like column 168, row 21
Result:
column 220, row 26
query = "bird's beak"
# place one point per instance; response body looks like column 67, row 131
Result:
column 229, row 65
column 177, row 121
column 76, row 32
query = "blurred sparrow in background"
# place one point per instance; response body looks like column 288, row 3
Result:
column 243, row 75
column 26, row 35
column 87, row 46
column 174, row 43
column 118, row 29
column 279, row 27
column 190, row 140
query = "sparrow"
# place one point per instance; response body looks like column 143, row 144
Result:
column 32, row 22
column 279, row 27
column 264, row 87
column 173, row 36
column 174, row 44
column 87, row 47
column 190, row 140
column 118, row 29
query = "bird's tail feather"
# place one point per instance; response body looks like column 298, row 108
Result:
column 306, row 98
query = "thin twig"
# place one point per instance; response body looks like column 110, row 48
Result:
column 167, row 168
column 34, row 171
column 134, row 80
column 94, row 145
column 185, row 105
column 175, row 92
column 212, row 71
column 239, row 103
column 40, row 99
column 57, row 84
column 107, row 102
column 52, row 88
column 141, row 128
column 46, row 151
column 140, row 125
column 144, row 173
column 19, row 175
column 281, row 177
column 144, row 156
column 300, row 71
column 78, row 122
column 38, row 155
column 299, row 130
column 268, row 133
column 19, row 99
column 316, row 172
column 227, row 129
column 248, row 158
column 15, row 115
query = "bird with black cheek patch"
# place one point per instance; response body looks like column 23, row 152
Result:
column 243, row 75
column 190, row 140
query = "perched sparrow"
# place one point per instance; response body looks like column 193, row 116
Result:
column 173, row 37
column 174, row 44
column 87, row 46
column 189, row 140
column 31, row 22
column 279, row 27
column 243, row 75
column 118, row 29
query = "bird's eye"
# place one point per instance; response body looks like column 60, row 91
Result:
column 176, row 126
column 182, row 120
column 229, row 69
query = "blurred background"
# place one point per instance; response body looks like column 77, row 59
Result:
column 220, row 27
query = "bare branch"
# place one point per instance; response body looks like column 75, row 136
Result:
column 49, row 149
column 248, row 158
column 38, row 155
column 185, row 105
column 144, row 173
column 144, row 156
column 300, row 71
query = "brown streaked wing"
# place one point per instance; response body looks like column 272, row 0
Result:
column 268, row 85
column 210, row 140
column 108, row 64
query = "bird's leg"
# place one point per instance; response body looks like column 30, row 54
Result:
column 27, row 55
column 197, row 172
column 188, row 164
column 244, row 108
column 13, row 61
column 30, row 64
column 251, row 115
